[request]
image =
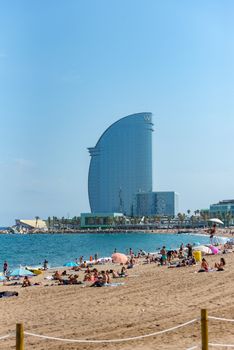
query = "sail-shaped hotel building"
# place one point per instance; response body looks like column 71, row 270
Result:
column 121, row 165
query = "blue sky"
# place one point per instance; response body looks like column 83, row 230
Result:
column 69, row 69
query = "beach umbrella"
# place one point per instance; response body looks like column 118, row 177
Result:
column 71, row 264
column 203, row 249
column 216, row 221
column 214, row 250
column 119, row 258
column 20, row 272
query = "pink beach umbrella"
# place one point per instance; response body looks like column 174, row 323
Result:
column 214, row 249
column 119, row 258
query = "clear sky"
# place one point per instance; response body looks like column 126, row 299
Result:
column 69, row 69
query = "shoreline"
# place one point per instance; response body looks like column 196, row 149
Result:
column 220, row 232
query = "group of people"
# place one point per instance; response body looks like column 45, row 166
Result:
column 97, row 278
column 62, row 279
column 218, row 266
column 168, row 256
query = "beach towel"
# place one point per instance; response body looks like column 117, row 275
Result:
column 113, row 284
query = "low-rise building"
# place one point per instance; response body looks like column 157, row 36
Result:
column 30, row 224
column 100, row 220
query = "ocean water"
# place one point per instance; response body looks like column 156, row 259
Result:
column 61, row 248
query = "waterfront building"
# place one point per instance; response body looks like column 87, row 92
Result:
column 222, row 208
column 100, row 220
column 121, row 165
column 161, row 203
column 30, row 224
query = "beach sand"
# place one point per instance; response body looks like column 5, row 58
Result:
column 153, row 298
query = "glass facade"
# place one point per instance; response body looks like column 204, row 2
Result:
column 121, row 165
column 157, row 203
column 222, row 208
column 166, row 203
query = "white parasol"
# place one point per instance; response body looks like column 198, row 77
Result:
column 216, row 221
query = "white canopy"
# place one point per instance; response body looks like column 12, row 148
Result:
column 203, row 249
column 217, row 221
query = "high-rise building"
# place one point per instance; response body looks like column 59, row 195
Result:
column 163, row 203
column 121, row 165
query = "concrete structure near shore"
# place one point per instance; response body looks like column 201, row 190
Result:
column 30, row 224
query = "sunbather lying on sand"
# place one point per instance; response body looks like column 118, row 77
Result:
column 8, row 294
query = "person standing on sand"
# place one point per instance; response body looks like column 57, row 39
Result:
column 45, row 265
column 163, row 252
column 5, row 268
column 190, row 250
column 212, row 232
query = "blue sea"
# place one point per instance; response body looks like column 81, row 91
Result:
column 61, row 248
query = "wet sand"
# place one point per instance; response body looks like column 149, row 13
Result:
column 152, row 298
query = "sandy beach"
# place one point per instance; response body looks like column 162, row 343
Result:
column 152, row 298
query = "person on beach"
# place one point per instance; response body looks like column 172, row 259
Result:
column 5, row 268
column 7, row 294
column 45, row 265
column 123, row 272
column 163, row 253
column 131, row 263
column 220, row 266
column 114, row 274
column 26, row 282
column 181, row 250
column 102, row 280
column 73, row 279
column 204, row 266
column 211, row 231
column 190, row 251
column 57, row 276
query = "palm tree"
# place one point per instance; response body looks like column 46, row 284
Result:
column 181, row 218
column 193, row 219
column 169, row 218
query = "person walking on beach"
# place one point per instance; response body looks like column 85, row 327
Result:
column 45, row 265
column 5, row 268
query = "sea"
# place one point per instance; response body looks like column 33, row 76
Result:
column 58, row 249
